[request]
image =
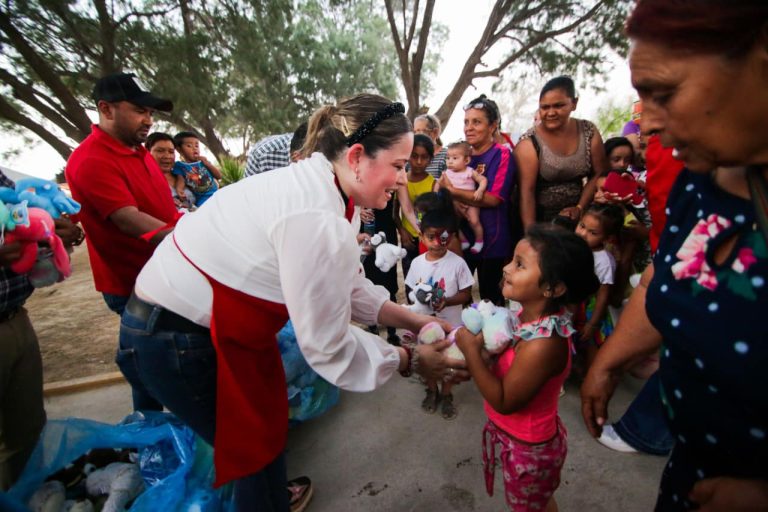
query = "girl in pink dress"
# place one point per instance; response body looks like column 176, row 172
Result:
column 551, row 268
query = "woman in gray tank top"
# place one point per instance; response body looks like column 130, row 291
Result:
column 559, row 160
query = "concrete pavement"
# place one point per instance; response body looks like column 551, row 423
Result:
column 379, row 452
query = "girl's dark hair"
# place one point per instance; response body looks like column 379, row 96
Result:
column 331, row 125
column 437, row 210
column 178, row 139
column 611, row 217
column 564, row 258
column 488, row 106
column 564, row 83
column 425, row 142
column 155, row 137
column 617, row 142
column 718, row 27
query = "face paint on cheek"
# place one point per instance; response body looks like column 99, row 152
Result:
column 444, row 236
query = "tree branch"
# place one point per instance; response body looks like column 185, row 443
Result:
column 8, row 112
column 412, row 28
column 27, row 94
column 47, row 74
column 538, row 39
column 142, row 14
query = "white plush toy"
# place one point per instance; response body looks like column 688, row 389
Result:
column 121, row 480
column 387, row 255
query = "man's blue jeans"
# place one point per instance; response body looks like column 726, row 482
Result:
column 644, row 425
column 115, row 302
column 179, row 370
column 142, row 400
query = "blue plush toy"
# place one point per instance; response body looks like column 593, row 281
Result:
column 8, row 195
column 6, row 220
column 47, row 195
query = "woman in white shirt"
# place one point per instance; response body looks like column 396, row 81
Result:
column 199, row 331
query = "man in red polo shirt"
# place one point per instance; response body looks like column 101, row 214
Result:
column 122, row 192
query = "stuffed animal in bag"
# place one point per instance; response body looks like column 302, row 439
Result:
column 120, row 480
column 40, row 228
column 387, row 255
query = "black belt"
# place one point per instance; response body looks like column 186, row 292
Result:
column 165, row 320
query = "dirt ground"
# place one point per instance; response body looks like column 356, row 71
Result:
column 77, row 332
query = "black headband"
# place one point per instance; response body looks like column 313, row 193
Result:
column 367, row 127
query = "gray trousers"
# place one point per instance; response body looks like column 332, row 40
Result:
column 22, row 416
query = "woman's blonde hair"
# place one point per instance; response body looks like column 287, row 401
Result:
column 374, row 121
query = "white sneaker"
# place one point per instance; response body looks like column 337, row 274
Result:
column 611, row 439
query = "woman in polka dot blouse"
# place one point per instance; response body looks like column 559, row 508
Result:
column 701, row 70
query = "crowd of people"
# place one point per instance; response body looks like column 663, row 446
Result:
column 644, row 252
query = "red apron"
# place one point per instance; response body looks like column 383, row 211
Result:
column 251, row 394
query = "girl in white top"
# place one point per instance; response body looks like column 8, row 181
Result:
column 278, row 244
column 600, row 225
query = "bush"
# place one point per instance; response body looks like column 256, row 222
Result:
column 232, row 171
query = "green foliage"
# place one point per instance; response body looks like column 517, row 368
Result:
column 234, row 68
column 232, row 171
column 611, row 117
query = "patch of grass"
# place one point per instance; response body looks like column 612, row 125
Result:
column 232, row 171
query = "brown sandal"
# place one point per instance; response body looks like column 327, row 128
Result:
column 429, row 404
column 301, row 493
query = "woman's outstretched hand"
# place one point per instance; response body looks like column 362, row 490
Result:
column 433, row 364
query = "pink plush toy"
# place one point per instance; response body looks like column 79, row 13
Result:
column 39, row 228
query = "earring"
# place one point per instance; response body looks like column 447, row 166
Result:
column 357, row 175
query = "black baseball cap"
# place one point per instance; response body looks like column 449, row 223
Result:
column 128, row 87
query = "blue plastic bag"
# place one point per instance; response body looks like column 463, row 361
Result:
column 177, row 466
column 309, row 395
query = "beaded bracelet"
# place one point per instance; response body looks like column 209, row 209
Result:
column 413, row 361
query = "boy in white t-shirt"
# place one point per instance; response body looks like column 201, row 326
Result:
column 600, row 224
column 452, row 275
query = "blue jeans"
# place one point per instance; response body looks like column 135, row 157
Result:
column 644, row 425
column 142, row 400
column 179, row 370
column 115, row 302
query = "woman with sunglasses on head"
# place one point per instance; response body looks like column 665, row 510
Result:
column 495, row 162
column 701, row 69
column 556, row 156
column 199, row 330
